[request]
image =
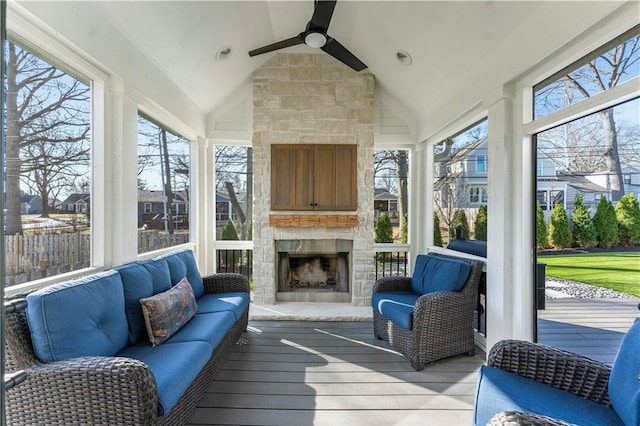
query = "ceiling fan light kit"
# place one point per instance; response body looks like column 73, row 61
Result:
column 315, row 36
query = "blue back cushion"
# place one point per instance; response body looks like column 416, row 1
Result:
column 183, row 264
column 140, row 280
column 85, row 317
column 433, row 273
column 624, row 383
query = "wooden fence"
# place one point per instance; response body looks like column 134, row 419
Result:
column 32, row 257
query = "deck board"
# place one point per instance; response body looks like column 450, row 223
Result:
column 335, row 373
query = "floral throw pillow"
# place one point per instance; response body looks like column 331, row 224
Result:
column 164, row 313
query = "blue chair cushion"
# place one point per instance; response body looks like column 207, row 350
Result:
column 78, row 318
column 433, row 273
column 142, row 279
column 210, row 328
column 183, row 264
column 397, row 306
column 232, row 302
column 624, row 383
column 174, row 366
column 500, row 390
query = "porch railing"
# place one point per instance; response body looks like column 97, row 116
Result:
column 235, row 256
column 391, row 260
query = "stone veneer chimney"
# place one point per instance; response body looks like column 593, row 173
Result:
column 311, row 98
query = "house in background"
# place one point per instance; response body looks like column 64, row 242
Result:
column 385, row 202
column 30, row 204
column 76, row 203
column 152, row 210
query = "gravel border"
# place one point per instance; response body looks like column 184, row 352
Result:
column 580, row 290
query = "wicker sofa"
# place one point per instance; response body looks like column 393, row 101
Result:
column 531, row 384
column 87, row 349
column 428, row 316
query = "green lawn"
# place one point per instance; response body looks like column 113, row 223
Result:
column 618, row 271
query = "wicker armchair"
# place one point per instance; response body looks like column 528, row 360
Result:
column 567, row 371
column 442, row 321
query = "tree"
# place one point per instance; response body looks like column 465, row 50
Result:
column 234, row 171
column 383, row 230
column 541, row 227
column 598, row 75
column 459, row 220
column 628, row 215
column 404, row 229
column 391, row 167
column 606, row 224
column 584, row 232
column 47, row 116
column 229, row 231
column 559, row 231
column 437, row 233
column 480, row 226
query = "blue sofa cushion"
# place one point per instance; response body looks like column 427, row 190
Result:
column 624, row 383
column 397, row 306
column 433, row 273
column 500, row 390
column 232, row 302
column 84, row 317
column 174, row 366
column 210, row 328
column 164, row 313
column 183, row 264
column 142, row 279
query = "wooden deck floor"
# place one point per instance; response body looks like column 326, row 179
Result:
column 336, row 373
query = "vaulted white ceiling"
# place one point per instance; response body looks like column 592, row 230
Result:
column 462, row 50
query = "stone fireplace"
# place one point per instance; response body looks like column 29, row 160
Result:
column 320, row 256
column 313, row 270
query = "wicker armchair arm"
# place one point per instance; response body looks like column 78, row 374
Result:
column 443, row 308
column 386, row 284
column 85, row 390
column 516, row 418
column 225, row 283
column 570, row 372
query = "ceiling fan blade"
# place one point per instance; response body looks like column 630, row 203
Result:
column 341, row 53
column 293, row 41
column 322, row 15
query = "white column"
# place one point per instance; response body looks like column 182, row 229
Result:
column 509, row 277
column 123, row 187
column 203, row 212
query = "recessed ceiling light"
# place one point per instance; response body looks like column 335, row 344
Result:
column 404, row 57
column 223, row 53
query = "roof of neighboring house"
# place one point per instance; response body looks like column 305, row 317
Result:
column 147, row 196
column 74, row 198
column 27, row 198
column 383, row 194
column 581, row 183
column 463, row 152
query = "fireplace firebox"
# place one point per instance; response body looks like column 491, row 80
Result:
column 313, row 270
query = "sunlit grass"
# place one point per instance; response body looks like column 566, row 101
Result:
column 614, row 270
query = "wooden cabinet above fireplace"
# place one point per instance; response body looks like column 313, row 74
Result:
column 314, row 177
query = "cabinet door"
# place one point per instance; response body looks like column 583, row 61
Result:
column 335, row 177
column 291, row 177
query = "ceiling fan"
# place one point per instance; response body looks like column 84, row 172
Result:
column 315, row 35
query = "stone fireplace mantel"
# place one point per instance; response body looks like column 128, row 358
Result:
column 313, row 220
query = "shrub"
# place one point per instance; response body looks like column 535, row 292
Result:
column 459, row 219
column 541, row 227
column 437, row 234
column 559, row 232
column 229, row 231
column 584, row 232
column 480, row 226
column 628, row 216
column 383, row 230
column 606, row 224
column 404, row 229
